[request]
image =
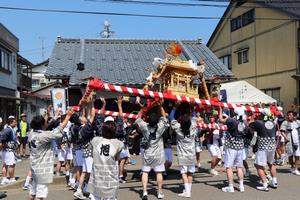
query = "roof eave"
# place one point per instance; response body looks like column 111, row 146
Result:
column 297, row 17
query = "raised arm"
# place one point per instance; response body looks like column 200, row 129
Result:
column 69, row 114
column 140, row 113
column 119, row 102
column 47, row 114
column 221, row 119
column 103, row 105
column 92, row 115
column 138, row 102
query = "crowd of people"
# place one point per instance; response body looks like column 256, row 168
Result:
column 94, row 148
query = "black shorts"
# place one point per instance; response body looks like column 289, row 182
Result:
column 23, row 140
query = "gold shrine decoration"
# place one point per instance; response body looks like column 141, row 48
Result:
column 177, row 76
column 174, row 49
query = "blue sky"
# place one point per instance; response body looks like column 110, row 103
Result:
column 29, row 27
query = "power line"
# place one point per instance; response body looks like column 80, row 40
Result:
column 130, row 14
column 252, row 1
column 160, row 3
column 163, row 3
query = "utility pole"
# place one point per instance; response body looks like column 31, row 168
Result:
column 42, row 38
column 106, row 33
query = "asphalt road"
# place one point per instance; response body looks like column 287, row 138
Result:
column 205, row 186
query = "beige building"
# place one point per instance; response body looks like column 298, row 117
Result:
column 260, row 43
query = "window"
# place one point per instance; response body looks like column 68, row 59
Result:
column 6, row 60
column 248, row 17
column 242, row 20
column 274, row 93
column 243, row 56
column 226, row 60
column 35, row 82
column 236, row 23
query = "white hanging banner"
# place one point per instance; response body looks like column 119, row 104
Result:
column 58, row 96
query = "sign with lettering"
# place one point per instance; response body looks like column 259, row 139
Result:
column 58, row 96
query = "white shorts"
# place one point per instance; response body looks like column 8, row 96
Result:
column 124, row 153
column 262, row 158
column 61, row 155
column 159, row 168
column 168, row 154
column 87, row 164
column 245, row 153
column 69, row 154
column 295, row 152
column 215, row 151
column 79, row 159
column 38, row 190
column 233, row 158
column 8, row 158
column 187, row 169
column 198, row 149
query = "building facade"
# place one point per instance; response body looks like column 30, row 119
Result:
column 260, row 43
column 9, row 46
column 38, row 75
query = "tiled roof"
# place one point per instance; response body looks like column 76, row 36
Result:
column 290, row 7
column 122, row 61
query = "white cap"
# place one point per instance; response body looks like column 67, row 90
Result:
column 240, row 112
column 11, row 117
column 1, row 120
column 109, row 119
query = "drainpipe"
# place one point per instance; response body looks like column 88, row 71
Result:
column 255, row 59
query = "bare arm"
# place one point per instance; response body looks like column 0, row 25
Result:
column 103, row 105
column 138, row 101
column 221, row 119
column 140, row 113
column 119, row 102
column 47, row 114
column 69, row 114
column 134, row 135
column 92, row 115
column 284, row 135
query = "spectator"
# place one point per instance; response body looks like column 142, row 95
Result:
column 8, row 140
column 22, row 133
